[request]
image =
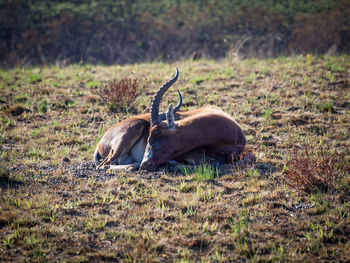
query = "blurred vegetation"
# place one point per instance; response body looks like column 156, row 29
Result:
column 125, row 31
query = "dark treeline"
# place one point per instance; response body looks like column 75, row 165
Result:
column 125, row 31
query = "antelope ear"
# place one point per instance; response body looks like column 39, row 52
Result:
column 170, row 117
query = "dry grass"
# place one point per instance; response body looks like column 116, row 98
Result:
column 54, row 206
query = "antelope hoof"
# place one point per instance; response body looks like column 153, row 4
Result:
column 148, row 165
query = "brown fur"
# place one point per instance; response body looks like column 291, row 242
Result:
column 126, row 129
column 208, row 127
column 121, row 137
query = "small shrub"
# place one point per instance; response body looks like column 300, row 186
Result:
column 309, row 169
column 120, row 94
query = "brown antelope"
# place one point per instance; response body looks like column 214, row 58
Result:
column 207, row 130
column 123, row 145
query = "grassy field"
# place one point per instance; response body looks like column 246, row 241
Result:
column 55, row 207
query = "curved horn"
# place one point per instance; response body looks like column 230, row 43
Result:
column 158, row 97
column 178, row 106
column 162, row 116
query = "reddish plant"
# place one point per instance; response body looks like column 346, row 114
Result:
column 118, row 94
column 309, row 169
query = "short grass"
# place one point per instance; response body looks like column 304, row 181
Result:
column 55, row 207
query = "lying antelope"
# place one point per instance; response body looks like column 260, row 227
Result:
column 207, row 130
column 123, row 145
column 146, row 140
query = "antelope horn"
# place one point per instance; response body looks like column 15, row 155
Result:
column 158, row 97
column 162, row 116
column 178, row 106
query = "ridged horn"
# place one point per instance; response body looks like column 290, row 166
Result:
column 158, row 97
column 162, row 116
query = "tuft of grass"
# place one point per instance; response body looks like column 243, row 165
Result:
column 310, row 169
column 198, row 80
column 21, row 98
column 334, row 67
column 92, row 84
column 267, row 113
column 326, row 107
column 33, row 78
column 202, row 172
column 240, row 234
column 43, row 107
column 205, row 172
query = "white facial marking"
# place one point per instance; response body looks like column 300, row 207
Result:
column 148, row 154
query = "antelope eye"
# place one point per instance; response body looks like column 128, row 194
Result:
column 155, row 132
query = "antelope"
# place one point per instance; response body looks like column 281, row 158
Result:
column 208, row 130
column 123, row 145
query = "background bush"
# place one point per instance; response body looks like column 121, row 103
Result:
column 127, row 31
